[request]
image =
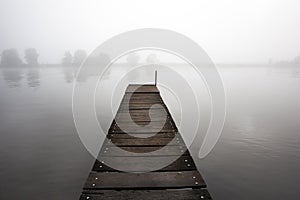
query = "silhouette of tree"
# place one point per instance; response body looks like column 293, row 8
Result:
column 10, row 58
column 79, row 56
column 98, row 59
column 133, row 59
column 31, row 56
column 67, row 59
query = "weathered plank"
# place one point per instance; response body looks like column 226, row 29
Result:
column 157, row 115
column 140, row 164
column 134, row 128
column 111, row 151
column 193, row 194
column 141, row 95
column 145, row 142
column 144, row 99
column 141, row 135
column 154, row 180
column 142, row 89
column 141, row 108
column 166, row 122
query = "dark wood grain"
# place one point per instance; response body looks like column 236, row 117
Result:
column 141, row 135
column 193, row 194
column 142, row 89
column 157, row 180
column 145, row 142
column 140, row 164
column 110, row 151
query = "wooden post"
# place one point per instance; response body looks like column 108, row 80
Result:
column 155, row 77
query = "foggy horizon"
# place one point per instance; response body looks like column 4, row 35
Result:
column 229, row 32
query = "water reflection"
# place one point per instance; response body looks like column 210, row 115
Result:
column 69, row 74
column 33, row 77
column 13, row 76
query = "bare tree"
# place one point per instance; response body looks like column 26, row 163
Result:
column 79, row 56
column 10, row 58
column 67, row 59
column 31, row 56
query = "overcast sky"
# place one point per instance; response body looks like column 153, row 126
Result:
column 230, row 31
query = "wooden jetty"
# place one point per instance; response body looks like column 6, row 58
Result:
column 178, row 180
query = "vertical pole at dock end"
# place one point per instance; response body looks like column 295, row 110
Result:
column 155, row 77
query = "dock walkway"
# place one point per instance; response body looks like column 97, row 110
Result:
column 176, row 181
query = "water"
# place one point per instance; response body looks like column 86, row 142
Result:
column 257, row 156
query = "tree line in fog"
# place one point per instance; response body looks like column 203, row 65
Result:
column 12, row 58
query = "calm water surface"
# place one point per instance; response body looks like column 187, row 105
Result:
column 257, row 156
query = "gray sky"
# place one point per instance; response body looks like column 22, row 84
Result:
column 230, row 31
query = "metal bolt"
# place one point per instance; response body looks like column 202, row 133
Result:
column 196, row 183
column 93, row 185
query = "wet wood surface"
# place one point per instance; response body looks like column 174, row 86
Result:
column 142, row 136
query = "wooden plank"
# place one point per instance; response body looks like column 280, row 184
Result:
column 143, row 115
column 142, row 88
column 154, row 128
column 139, row 102
column 141, row 135
column 158, row 180
column 167, row 123
column 193, row 194
column 141, row 118
column 140, row 164
column 137, row 95
column 140, row 106
column 139, row 99
column 145, row 142
column 142, row 100
column 136, row 126
column 154, row 110
column 140, row 109
column 115, row 151
column 142, row 95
